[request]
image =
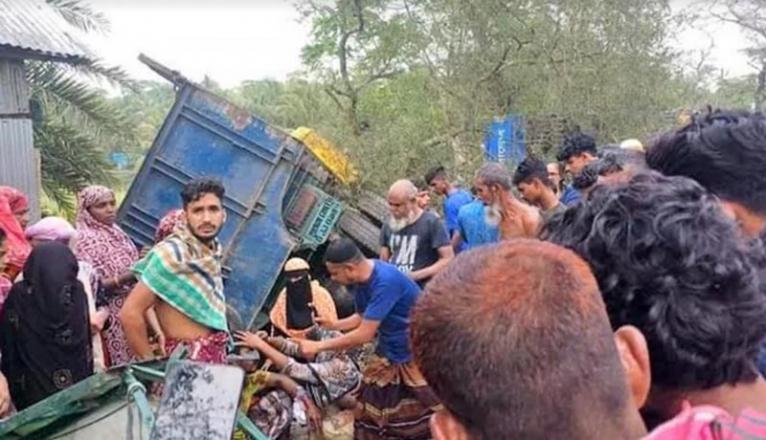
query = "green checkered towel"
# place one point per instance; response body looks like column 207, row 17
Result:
column 186, row 274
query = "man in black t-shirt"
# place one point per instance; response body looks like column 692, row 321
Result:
column 413, row 240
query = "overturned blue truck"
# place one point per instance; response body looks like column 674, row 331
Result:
column 286, row 194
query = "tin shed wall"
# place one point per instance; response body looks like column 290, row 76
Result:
column 19, row 161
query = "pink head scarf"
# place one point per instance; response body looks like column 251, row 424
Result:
column 107, row 248
column 51, row 229
column 169, row 223
column 17, row 200
column 13, row 201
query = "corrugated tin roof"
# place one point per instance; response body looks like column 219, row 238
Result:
column 32, row 28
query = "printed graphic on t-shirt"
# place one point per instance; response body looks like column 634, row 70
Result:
column 404, row 248
column 417, row 245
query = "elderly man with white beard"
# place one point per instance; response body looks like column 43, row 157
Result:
column 513, row 218
column 413, row 240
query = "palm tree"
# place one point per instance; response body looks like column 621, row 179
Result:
column 73, row 119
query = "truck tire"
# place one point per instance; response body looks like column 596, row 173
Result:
column 358, row 228
column 373, row 206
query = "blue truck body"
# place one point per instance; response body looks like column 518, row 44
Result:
column 266, row 178
column 280, row 201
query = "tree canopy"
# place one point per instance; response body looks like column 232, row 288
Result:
column 403, row 85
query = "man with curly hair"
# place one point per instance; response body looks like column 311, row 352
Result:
column 613, row 163
column 725, row 151
column 576, row 152
column 669, row 262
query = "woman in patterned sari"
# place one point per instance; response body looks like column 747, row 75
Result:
column 106, row 247
column 294, row 399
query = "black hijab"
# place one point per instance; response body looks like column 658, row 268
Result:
column 45, row 327
column 299, row 314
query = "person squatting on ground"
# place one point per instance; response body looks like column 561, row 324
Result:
column 394, row 400
column 300, row 302
column 301, row 395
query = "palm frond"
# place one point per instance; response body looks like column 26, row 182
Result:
column 63, row 198
column 65, row 207
column 59, row 89
column 81, row 15
column 96, row 69
column 70, row 160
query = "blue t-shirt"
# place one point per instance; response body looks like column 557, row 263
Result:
column 473, row 228
column 388, row 297
column 570, row 196
column 452, row 205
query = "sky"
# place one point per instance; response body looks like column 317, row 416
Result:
column 229, row 40
column 728, row 42
column 236, row 40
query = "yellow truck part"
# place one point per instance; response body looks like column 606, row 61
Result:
column 336, row 161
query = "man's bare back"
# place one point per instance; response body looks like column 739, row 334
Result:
column 176, row 325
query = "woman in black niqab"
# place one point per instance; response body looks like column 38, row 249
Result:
column 45, row 328
column 299, row 313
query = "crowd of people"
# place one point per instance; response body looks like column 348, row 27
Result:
column 627, row 302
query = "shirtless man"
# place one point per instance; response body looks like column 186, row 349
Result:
column 512, row 217
column 181, row 279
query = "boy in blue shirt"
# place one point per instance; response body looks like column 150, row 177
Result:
column 454, row 199
column 394, row 399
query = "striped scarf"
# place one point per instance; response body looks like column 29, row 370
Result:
column 186, row 274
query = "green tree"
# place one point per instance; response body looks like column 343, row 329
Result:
column 417, row 81
column 74, row 120
column 735, row 92
column 356, row 44
column 750, row 17
column 146, row 106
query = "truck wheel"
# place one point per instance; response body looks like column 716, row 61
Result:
column 358, row 228
column 373, row 206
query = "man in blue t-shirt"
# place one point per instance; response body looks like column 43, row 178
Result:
column 565, row 192
column 454, row 199
column 391, row 384
column 473, row 229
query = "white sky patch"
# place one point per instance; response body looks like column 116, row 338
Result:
column 236, row 40
column 728, row 42
column 230, row 41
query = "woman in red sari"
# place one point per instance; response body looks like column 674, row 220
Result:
column 110, row 251
column 14, row 216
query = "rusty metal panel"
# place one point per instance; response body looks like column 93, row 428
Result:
column 31, row 28
column 19, row 161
